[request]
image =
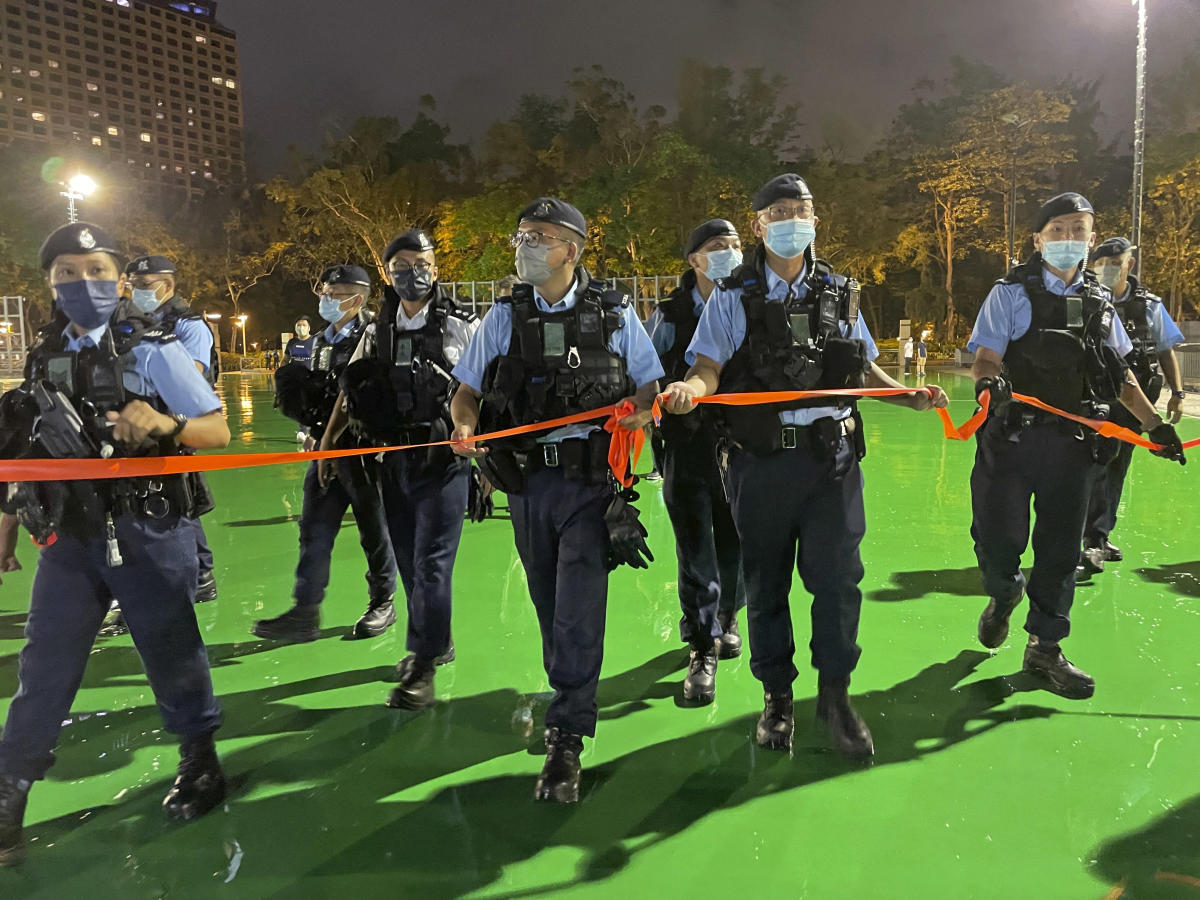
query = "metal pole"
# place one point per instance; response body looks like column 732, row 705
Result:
column 1012, row 213
column 1139, row 136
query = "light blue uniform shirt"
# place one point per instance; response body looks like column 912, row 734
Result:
column 1163, row 330
column 165, row 371
column 1006, row 314
column 492, row 340
column 196, row 337
column 332, row 337
column 722, row 330
column 662, row 332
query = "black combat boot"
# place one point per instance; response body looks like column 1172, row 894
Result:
column 560, row 776
column 404, row 664
column 993, row 624
column 849, row 732
column 13, row 794
column 1112, row 552
column 1091, row 561
column 730, row 641
column 206, row 587
column 415, row 690
column 114, row 622
column 298, row 625
column 1045, row 659
column 776, row 725
column 379, row 617
column 200, row 785
column 700, row 685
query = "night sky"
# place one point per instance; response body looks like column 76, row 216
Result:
column 309, row 66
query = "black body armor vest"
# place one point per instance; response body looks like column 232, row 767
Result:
column 793, row 345
column 1143, row 359
column 678, row 309
column 401, row 393
column 308, row 395
column 1063, row 359
column 177, row 309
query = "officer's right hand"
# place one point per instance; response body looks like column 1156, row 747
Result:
column 997, row 386
column 1172, row 446
column 679, row 397
column 463, row 447
column 9, row 531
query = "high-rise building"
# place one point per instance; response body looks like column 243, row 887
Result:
column 152, row 85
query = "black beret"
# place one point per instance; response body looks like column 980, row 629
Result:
column 413, row 239
column 556, row 212
column 782, row 187
column 346, row 274
column 150, row 265
column 78, row 237
column 1062, row 205
column 710, row 229
column 1114, row 246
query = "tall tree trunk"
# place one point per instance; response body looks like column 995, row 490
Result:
column 951, row 313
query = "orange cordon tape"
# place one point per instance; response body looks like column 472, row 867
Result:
column 625, row 444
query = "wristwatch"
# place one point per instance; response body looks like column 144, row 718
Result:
column 180, row 421
column 1178, row 395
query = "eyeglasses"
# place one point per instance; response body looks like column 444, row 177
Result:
column 420, row 266
column 781, row 213
column 533, row 238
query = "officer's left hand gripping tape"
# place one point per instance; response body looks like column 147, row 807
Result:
column 626, row 533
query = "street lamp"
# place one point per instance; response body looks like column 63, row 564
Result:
column 1139, row 136
column 78, row 187
column 1015, row 121
column 241, row 322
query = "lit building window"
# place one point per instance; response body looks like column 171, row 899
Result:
column 92, row 86
column 146, row 138
column 53, row 63
column 38, row 116
column 35, row 73
column 112, row 129
column 232, row 85
column 96, row 142
column 216, row 79
column 201, row 39
column 94, row 113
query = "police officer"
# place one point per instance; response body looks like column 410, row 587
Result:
column 706, row 542
column 93, row 388
column 151, row 280
column 563, row 343
column 1153, row 334
column 396, row 390
column 1046, row 330
column 308, row 396
column 299, row 347
column 786, row 321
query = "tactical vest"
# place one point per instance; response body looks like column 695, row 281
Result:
column 1143, row 359
column 679, row 309
column 92, row 381
column 175, row 310
column 791, row 345
column 308, row 395
column 1063, row 359
column 558, row 363
column 401, row 393
column 300, row 351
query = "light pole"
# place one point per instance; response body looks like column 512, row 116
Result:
column 241, row 321
column 1139, row 136
column 1015, row 122
column 78, row 187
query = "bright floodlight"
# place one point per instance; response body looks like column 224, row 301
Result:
column 82, row 185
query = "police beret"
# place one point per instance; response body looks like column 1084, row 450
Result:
column 150, row 265
column 710, row 229
column 556, row 212
column 78, row 237
column 413, row 239
column 1062, row 205
column 346, row 274
column 782, row 187
column 1114, row 246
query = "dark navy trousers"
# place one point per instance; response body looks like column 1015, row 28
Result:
column 706, row 540
column 425, row 507
column 1105, row 499
column 71, row 593
column 321, row 519
column 558, row 525
column 1051, row 464
column 204, row 554
column 798, row 509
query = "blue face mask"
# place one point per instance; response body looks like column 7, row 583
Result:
column 89, row 304
column 1064, row 255
column 331, row 310
column 721, row 263
column 791, row 237
column 146, row 301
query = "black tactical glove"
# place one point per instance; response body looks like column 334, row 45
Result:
column 1172, row 447
column 626, row 533
column 479, row 499
column 997, row 386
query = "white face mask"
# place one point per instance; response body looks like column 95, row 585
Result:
column 1064, row 255
column 145, row 299
column 721, row 263
column 1109, row 276
column 532, row 267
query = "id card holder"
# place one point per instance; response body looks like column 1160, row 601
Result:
column 1074, row 312
column 554, row 339
column 404, row 351
column 801, row 330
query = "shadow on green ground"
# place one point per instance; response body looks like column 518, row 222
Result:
column 1161, row 860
